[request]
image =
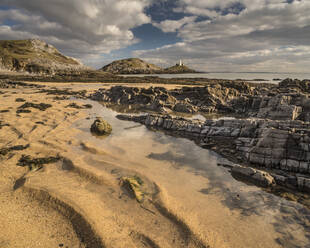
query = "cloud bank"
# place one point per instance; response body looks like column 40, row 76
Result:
column 81, row 28
column 247, row 35
column 216, row 35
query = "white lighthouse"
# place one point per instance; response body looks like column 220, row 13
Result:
column 180, row 63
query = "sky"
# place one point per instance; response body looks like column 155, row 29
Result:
column 208, row 35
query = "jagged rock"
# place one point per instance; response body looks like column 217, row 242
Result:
column 184, row 108
column 101, row 127
column 274, row 132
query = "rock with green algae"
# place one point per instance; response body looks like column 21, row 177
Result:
column 40, row 106
column 6, row 150
column 36, row 163
column 133, row 185
column 101, row 127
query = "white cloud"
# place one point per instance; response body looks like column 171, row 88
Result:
column 217, row 35
column 77, row 27
column 268, row 35
column 174, row 25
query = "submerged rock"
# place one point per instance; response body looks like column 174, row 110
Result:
column 259, row 177
column 133, row 186
column 101, row 127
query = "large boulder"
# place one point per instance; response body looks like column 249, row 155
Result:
column 101, row 127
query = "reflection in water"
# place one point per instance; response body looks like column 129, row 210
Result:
column 140, row 148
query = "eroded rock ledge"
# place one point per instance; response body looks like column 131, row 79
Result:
column 270, row 127
column 287, row 101
column 279, row 146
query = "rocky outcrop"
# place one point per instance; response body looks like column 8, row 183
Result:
column 35, row 56
column 131, row 66
column 281, row 146
column 208, row 99
column 101, row 127
column 233, row 98
column 273, row 132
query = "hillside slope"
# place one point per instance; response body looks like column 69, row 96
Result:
column 35, row 56
column 131, row 66
column 179, row 69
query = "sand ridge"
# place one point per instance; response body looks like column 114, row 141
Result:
column 90, row 204
column 80, row 195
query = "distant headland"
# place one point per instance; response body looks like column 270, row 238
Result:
column 38, row 57
column 138, row 66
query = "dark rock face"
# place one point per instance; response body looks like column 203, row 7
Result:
column 287, row 101
column 208, row 99
column 101, row 127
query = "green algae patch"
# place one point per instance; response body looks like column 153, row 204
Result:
column 133, row 186
column 40, row 106
column 36, row 163
column 6, row 150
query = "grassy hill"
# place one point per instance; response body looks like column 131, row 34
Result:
column 131, row 66
column 138, row 66
column 34, row 56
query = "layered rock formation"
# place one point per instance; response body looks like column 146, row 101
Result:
column 287, row 101
column 270, row 127
column 35, row 56
column 281, row 146
column 208, row 99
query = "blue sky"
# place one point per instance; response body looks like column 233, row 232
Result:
column 209, row 35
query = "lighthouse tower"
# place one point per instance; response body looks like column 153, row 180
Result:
column 181, row 63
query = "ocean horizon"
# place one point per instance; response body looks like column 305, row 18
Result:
column 257, row 76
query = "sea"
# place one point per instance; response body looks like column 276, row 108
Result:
column 258, row 77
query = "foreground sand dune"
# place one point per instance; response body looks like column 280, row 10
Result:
column 78, row 201
column 87, row 203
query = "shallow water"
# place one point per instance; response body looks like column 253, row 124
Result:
column 268, row 77
column 204, row 194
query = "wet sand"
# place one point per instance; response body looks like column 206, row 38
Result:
column 78, row 201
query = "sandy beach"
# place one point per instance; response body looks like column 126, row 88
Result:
column 76, row 200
